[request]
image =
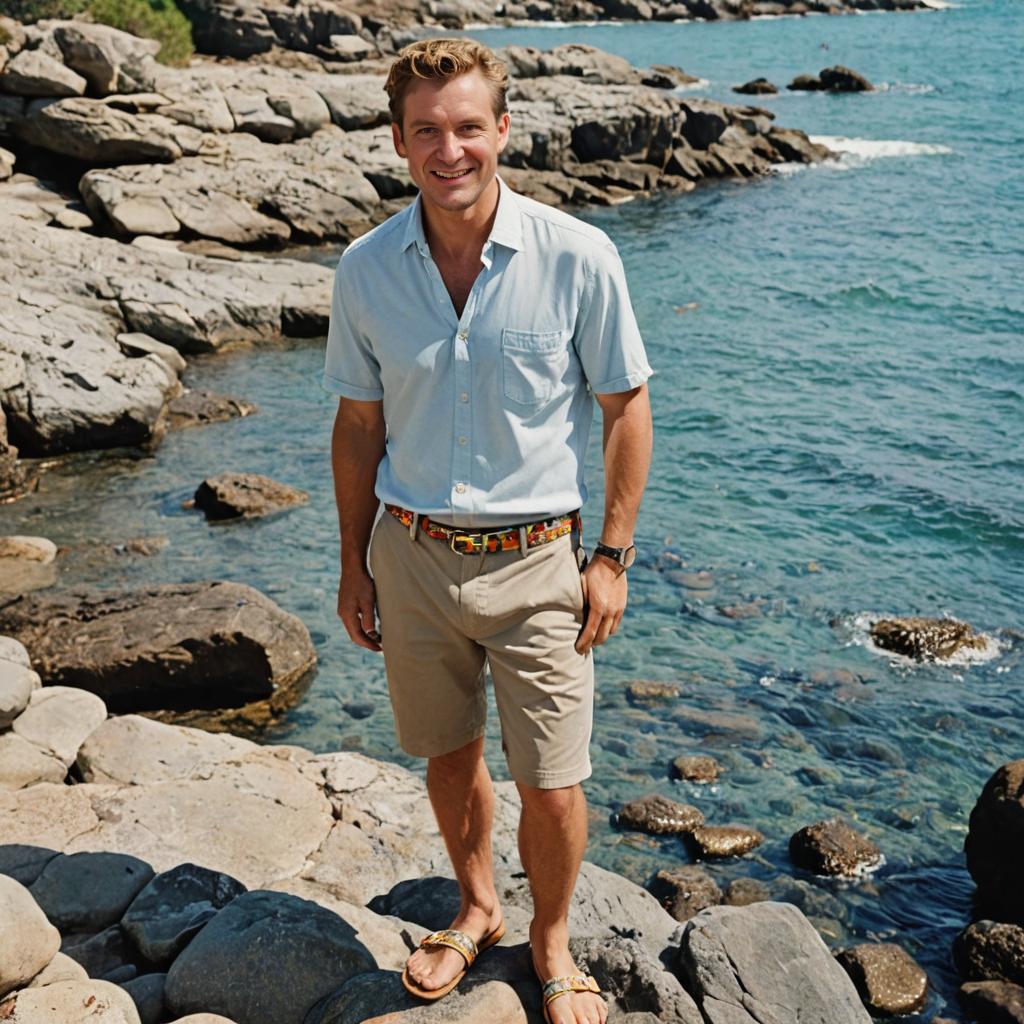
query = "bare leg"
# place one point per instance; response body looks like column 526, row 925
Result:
column 462, row 795
column 552, row 839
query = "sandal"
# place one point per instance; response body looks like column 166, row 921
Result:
column 459, row 941
column 564, row 984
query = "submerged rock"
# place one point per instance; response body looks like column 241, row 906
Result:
column 926, row 639
column 995, row 843
column 888, row 979
column 646, row 693
column 833, row 847
column 245, row 495
column 834, row 79
column 685, row 891
column 699, row 768
column 726, row 840
column 659, row 815
column 197, row 408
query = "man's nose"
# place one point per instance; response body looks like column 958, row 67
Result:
column 451, row 148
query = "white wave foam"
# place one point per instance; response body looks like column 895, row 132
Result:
column 861, row 626
column 700, row 84
column 913, row 88
column 875, row 149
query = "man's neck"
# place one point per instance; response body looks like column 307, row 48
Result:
column 457, row 234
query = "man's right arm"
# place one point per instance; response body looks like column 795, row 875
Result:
column 357, row 447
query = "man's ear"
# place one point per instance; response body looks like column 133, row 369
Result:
column 396, row 138
column 504, row 123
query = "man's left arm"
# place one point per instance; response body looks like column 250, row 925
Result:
column 628, row 438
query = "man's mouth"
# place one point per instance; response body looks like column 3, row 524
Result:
column 451, row 175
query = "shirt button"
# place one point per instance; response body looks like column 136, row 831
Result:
column 463, row 440
column 460, row 488
column 464, row 397
column 463, row 335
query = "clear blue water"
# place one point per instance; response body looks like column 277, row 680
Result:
column 839, row 431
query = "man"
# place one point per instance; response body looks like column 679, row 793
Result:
column 468, row 335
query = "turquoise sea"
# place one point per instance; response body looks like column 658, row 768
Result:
column 839, row 416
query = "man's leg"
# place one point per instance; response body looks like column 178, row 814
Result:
column 462, row 795
column 552, row 839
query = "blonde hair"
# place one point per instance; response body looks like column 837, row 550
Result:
column 441, row 59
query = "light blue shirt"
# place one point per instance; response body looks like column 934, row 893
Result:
column 488, row 414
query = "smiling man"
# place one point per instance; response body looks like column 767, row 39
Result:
column 469, row 337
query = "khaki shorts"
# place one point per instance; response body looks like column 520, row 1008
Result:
column 444, row 616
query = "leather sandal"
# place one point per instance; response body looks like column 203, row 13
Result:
column 563, row 985
column 462, row 943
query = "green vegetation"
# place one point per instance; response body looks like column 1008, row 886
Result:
column 153, row 19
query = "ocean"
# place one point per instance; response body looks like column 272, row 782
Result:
column 839, row 435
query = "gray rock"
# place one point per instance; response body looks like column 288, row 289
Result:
column 74, row 1002
column 59, row 718
column 741, row 892
column 101, row 954
column 888, row 979
column 147, row 992
column 265, row 956
column 245, row 496
column 765, row 964
column 990, row 951
column 197, row 408
column 112, row 61
column 167, row 914
column 215, row 644
column 28, row 941
column 24, row 862
column 35, row 73
column 13, row 651
column 833, row 847
column 137, row 343
column 89, row 891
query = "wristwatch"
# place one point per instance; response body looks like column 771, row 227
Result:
column 624, row 556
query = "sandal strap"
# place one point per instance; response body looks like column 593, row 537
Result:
column 562, row 985
column 459, row 941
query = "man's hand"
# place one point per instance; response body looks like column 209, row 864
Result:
column 604, row 590
column 357, row 602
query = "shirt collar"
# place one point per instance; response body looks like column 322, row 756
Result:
column 506, row 230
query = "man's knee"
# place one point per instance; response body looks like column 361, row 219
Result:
column 554, row 803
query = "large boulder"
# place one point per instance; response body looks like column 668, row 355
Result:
column 35, row 73
column 834, row 847
column 267, row 956
column 111, row 60
column 73, row 1002
column 58, row 719
column 990, row 951
column 174, row 646
column 28, row 942
column 765, row 962
column 995, row 843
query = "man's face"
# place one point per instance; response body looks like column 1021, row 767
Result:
column 451, row 138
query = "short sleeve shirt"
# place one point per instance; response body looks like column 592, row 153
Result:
column 489, row 414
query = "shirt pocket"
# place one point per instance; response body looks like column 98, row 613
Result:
column 534, row 364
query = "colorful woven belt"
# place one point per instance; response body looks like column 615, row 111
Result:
column 474, row 542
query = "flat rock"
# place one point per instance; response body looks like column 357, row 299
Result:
column 685, row 891
column 166, row 646
column 59, row 718
column 763, row 963
column 990, row 951
column 73, row 1002
column 89, row 891
column 172, row 908
column 995, row 842
column 28, row 942
column 245, row 496
column 725, row 840
column 888, row 979
column 833, row 847
column 35, row 73
column 265, row 956
column 660, row 815
column 197, row 408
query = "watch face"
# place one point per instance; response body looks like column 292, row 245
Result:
column 629, row 556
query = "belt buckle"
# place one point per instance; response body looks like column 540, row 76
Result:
column 453, row 537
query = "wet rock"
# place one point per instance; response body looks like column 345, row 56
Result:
column 805, row 83
column 659, row 815
column 35, row 73
column 58, row 718
column 990, row 951
column 756, row 87
column 166, row 915
column 245, row 495
column 73, row 1002
column 89, row 891
column 995, row 843
column 741, row 892
column 647, row 693
column 197, row 408
column 764, row 962
column 834, row 79
column 726, row 840
column 685, row 891
column 833, row 847
column 993, row 1002
column 209, row 644
column 926, row 639
column 888, row 979
column 28, row 941
column 265, row 956
column 699, row 768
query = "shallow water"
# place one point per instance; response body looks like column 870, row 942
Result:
column 840, row 431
